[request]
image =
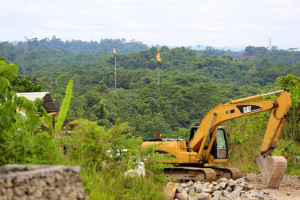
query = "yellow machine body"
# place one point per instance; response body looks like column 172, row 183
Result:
column 201, row 145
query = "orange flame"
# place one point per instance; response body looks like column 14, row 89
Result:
column 115, row 51
column 158, row 56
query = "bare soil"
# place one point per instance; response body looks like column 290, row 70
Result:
column 289, row 188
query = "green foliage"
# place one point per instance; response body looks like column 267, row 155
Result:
column 25, row 84
column 154, row 163
column 65, row 107
column 190, row 86
column 21, row 139
column 24, row 148
column 245, row 134
column 108, row 187
column 8, row 108
column 291, row 151
column 248, row 132
column 77, row 45
column 105, row 156
column 293, row 84
column 192, row 83
column 7, row 72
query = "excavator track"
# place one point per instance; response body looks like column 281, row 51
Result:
column 228, row 172
column 190, row 173
column 204, row 174
column 272, row 169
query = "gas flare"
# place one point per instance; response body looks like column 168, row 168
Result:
column 115, row 51
column 158, row 56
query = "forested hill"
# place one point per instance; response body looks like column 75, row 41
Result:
column 57, row 50
column 55, row 43
column 77, row 45
column 107, row 119
column 33, row 53
column 191, row 82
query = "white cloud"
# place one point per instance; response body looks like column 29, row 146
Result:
column 170, row 22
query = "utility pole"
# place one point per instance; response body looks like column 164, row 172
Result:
column 25, row 50
column 115, row 69
column 51, row 80
column 292, row 49
column 158, row 73
column 158, row 66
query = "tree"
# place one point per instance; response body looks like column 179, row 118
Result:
column 293, row 84
column 25, row 84
column 249, row 51
column 21, row 138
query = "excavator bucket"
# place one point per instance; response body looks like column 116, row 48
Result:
column 272, row 169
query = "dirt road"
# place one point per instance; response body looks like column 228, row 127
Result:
column 288, row 190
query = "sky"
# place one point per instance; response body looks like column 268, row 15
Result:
column 156, row 22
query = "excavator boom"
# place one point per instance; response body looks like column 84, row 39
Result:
column 240, row 108
column 271, row 167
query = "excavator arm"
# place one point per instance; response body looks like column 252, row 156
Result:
column 240, row 108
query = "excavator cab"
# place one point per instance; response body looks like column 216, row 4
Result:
column 219, row 149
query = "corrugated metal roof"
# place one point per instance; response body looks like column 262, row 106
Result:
column 49, row 104
column 33, row 95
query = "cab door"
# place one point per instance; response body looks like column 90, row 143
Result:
column 219, row 149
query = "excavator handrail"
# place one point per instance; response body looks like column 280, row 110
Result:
column 259, row 96
column 271, row 93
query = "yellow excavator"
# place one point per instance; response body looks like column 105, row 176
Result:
column 208, row 142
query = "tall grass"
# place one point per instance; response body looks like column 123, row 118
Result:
column 247, row 133
column 96, row 149
column 246, row 136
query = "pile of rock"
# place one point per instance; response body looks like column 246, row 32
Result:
column 40, row 182
column 221, row 189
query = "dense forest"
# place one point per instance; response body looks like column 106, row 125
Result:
column 191, row 82
column 33, row 54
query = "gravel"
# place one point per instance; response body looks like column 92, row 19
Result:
column 222, row 189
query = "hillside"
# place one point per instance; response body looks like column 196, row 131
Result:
column 192, row 82
column 107, row 120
